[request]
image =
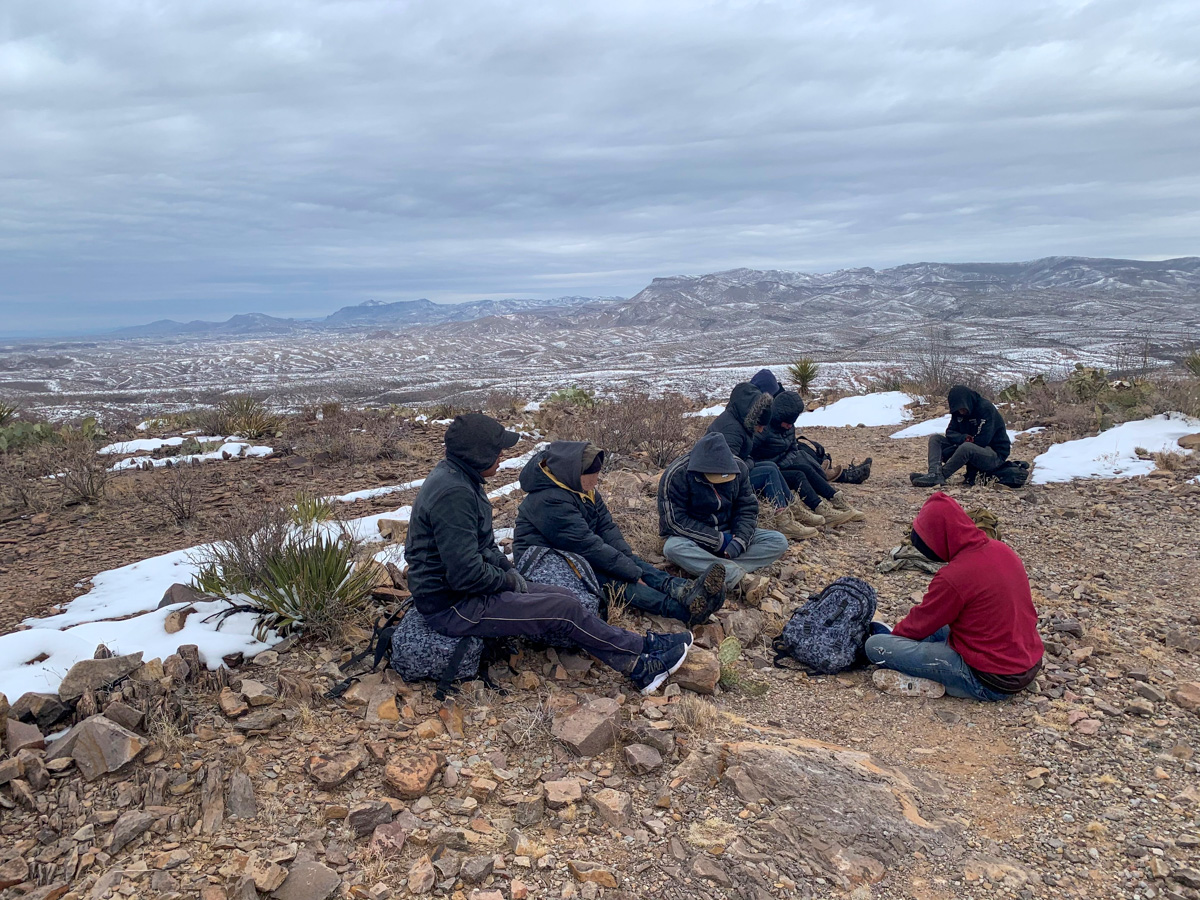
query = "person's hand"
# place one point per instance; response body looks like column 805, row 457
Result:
column 969, row 439
column 735, row 549
column 515, row 581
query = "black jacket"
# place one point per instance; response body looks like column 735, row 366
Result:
column 557, row 513
column 690, row 506
column 451, row 549
column 742, row 414
column 777, row 443
column 982, row 423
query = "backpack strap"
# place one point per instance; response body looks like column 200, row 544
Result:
column 445, row 684
column 380, row 644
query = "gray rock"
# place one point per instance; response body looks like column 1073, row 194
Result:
column 308, row 880
column 21, row 735
column 476, row 868
column 43, row 710
column 365, row 817
column 262, row 719
column 124, row 715
column 642, row 759
column 98, row 745
column 181, row 593
column 94, row 674
column 591, row 729
column 240, row 802
column 129, row 828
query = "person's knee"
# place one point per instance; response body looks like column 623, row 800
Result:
column 877, row 647
column 771, row 542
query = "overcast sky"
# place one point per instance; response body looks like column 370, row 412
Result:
column 167, row 159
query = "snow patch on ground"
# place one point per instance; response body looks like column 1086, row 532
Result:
column 938, row 426
column 870, row 410
column 146, row 445
column 234, row 449
column 1110, row 454
column 378, row 492
column 706, row 413
column 518, row 462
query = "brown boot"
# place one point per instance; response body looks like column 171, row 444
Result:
column 834, row 516
column 791, row 529
column 839, row 501
column 806, row 516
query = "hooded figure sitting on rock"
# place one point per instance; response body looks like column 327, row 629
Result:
column 975, row 630
column 563, row 510
column 976, row 438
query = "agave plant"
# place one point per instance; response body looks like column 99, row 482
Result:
column 803, row 372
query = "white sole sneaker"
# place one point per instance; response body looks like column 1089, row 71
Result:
column 661, row 677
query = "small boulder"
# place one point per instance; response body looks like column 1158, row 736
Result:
column 124, row 715
column 95, row 674
column 410, row 777
column 43, row 710
column 613, row 806
column 22, row 735
column 1187, row 695
column 330, row 770
column 422, row 876
column 308, row 880
column 476, row 868
column 129, row 827
column 592, row 872
column 366, row 817
column 182, row 593
column 232, row 703
column 700, row 672
column 240, row 802
column 261, row 720
column 257, row 693
column 13, row 872
column 590, row 730
column 98, row 745
column 642, row 759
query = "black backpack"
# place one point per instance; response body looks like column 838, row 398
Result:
column 1012, row 474
column 827, row 634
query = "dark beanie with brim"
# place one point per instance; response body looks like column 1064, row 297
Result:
column 478, row 440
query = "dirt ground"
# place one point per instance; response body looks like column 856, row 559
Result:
column 1083, row 787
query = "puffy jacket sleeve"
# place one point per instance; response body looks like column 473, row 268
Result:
column 456, row 534
column 957, row 430
column 939, row 607
column 673, row 506
column 610, row 531
column 564, row 526
column 745, row 509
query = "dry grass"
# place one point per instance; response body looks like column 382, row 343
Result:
column 533, row 723
column 632, row 428
column 694, row 715
column 352, row 436
column 83, row 473
column 1171, row 461
column 176, row 491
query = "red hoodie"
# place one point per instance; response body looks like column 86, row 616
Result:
column 982, row 593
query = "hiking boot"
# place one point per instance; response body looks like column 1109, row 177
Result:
column 832, row 472
column 839, row 501
column 855, row 474
column 806, row 516
column 892, row 682
column 652, row 669
column 932, row 480
column 834, row 516
column 793, row 530
column 706, row 596
column 658, row 642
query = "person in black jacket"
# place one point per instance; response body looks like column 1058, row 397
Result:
column 465, row 587
column 563, row 509
column 708, row 513
column 745, row 416
column 765, row 381
column 823, row 503
column 976, row 438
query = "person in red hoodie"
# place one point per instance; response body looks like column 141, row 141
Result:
column 975, row 631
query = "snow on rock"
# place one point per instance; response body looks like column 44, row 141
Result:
column 18, row 672
column 533, row 406
column 518, row 462
column 1110, row 454
column 706, row 413
column 887, row 408
column 234, row 449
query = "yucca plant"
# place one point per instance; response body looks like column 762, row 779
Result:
column 248, row 417
column 1191, row 362
column 7, row 411
column 311, row 509
column 309, row 584
column 803, row 372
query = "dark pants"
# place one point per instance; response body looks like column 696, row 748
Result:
column 808, row 480
column 766, row 478
column 951, row 457
column 546, row 610
column 655, row 595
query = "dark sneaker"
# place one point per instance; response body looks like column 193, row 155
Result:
column 652, row 669
column 856, row 474
column 707, row 595
column 656, row 642
column 919, row 480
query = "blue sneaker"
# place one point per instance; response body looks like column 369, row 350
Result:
column 656, row 642
column 652, row 669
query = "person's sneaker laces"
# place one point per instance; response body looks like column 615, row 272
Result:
column 652, row 669
column 657, row 642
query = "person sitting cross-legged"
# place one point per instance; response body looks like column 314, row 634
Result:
column 975, row 631
column 563, row 509
column 708, row 513
column 465, row 587
column 976, row 438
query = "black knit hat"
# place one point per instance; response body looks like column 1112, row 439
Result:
column 477, row 440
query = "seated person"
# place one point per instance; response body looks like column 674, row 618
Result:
column 562, row 509
column 823, row 503
column 976, row 438
column 708, row 513
column 975, row 631
column 745, row 415
column 465, row 587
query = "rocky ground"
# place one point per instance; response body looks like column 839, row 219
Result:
column 247, row 782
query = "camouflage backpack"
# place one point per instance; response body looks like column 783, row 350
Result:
column 542, row 565
column 827, row 634
column 418, row 653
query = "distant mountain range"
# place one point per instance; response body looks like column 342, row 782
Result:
column 372, row 314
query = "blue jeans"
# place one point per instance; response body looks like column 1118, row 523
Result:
column 932, row 658
column 658, row 595
column 766, row 478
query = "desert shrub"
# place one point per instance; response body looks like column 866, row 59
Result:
column 83, row 473
column 629, row 425
column 176, row 492
column 445, row 410
column 293, row 578
column 1191, row 363
column 1087, row 382
column 23, row 479
column 244, row 416
column 573, row 396
column 311, row 509
column 1170, row 461
column 353, row 436
column 694, row 715
column 802, row 373
column 504, row 403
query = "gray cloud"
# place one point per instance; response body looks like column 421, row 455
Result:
column 196, row 160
